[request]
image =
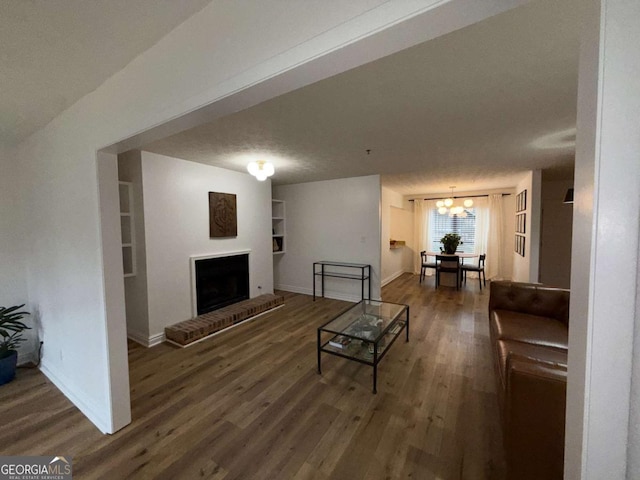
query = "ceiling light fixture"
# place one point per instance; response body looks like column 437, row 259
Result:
column 261, row 169
column 447, row 206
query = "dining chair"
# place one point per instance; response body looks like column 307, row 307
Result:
column 476, row 268
column 425, row 264
column 448, row 264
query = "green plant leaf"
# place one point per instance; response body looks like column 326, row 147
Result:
column 7, row 310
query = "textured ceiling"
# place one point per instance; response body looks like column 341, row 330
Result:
column 53, row 52
column 467, row 109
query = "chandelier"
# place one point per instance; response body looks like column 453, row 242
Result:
column 447, row 206
column 261, row 169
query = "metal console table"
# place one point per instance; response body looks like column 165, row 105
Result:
column 365, row 274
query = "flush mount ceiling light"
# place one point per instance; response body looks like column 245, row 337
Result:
column 261, row 169
column 447, row 206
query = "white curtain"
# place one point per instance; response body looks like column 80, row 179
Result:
column 493, row 266
column 422, row 239
column 428, row 206
column 483, row 225
column 420, row 227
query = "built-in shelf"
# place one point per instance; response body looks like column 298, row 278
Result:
column 393, row 244
column 278, row 221
column 126, row 229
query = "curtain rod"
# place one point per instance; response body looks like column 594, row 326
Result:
column 461, row 196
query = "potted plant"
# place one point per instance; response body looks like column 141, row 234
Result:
column 11, row 329
column 450, row 242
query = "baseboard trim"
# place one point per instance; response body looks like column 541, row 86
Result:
column 309, row 291
column 138, row 337
column 85, row 406
column 293, row 289
column 156, row 339
column 145, row 341
column 392, row 277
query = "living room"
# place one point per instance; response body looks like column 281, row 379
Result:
column 67, row 260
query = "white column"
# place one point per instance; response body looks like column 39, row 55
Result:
column 113, row 283
column 605, row 242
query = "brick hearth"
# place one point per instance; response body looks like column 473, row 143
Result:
column 199, row 327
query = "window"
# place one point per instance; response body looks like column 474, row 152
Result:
column 440, row 225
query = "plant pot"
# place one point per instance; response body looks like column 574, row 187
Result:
column 8, row 367
column 450, row 250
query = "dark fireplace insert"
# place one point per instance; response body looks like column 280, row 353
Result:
column 221, row 281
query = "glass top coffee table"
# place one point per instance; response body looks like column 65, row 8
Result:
column 364, row 333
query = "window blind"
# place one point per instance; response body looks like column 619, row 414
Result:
column 440, row 225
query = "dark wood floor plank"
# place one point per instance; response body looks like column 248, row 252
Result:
column 249, row 403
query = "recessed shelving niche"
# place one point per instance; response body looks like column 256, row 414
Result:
column 278, row 223
column 127, row 229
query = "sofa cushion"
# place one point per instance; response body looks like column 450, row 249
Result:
column 504, row 348
column 532, row 299
column 535, row 414
column 508, row 325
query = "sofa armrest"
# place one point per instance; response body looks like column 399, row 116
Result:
column 534, row 420
column 530, row 298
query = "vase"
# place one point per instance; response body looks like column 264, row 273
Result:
column 450, row 249
column 8, row 367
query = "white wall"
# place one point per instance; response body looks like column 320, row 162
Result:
column 633, row 468
column 135, row 288
column 397, row 224
column 176, row 213
column 555, row 244
column 180, row 74
column 601, row 442
column 401, row 229
column 509, row 219
column 525, row 269
column 13, row 285
column 331, row 220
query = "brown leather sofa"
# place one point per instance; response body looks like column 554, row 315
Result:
column 529, row 329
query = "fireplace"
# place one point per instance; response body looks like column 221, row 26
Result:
column 220, row 281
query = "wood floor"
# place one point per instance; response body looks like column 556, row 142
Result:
column 249, row 404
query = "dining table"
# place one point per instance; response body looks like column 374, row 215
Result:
column 461, row 255
column 449, row 279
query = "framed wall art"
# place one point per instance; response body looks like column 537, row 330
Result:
column 519, row 246
column 223, row 215
column 521, row 223
column 521, row 201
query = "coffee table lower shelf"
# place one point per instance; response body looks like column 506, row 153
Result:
column 367, row 352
